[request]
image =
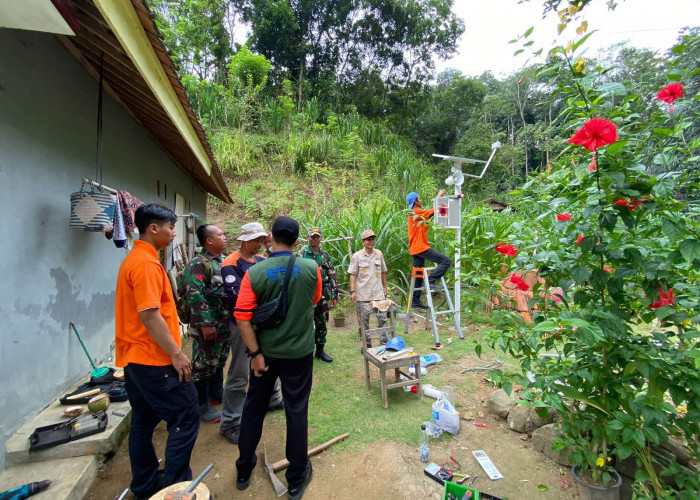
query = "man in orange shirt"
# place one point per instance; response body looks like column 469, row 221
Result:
column 419, row 247
column 157, row 372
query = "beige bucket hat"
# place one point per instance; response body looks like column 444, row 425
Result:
column 251, row 231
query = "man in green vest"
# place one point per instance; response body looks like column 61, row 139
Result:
column 285, row 351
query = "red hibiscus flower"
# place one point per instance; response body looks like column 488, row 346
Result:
column 579, row 239
column 595, row 133
column 664, row 299
column 631, row 204
column 670, row 93
column 563, row 217
column 508, row 250
column 518, row 281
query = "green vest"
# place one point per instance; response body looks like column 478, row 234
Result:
column 294, row 338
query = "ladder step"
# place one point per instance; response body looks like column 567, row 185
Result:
column 451, row 311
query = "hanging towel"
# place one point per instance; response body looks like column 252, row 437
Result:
column 119, row 233
column 129, row 205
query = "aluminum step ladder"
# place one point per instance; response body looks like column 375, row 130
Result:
column 423, row 272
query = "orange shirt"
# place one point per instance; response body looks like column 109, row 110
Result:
column 248, row 300
column 142, row 284
column 418, row 230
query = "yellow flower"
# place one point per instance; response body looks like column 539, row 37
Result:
column 600, row 462
column 682, row 409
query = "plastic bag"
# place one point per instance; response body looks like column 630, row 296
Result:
column 430, row 359
column 445, row 415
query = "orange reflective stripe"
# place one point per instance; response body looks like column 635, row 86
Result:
column 417, row 272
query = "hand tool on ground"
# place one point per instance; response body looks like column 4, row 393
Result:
column 96, row 372
column 280, row 489
column 188, row 493
column 26, row 490
column 283, row 464
column 473, row 479
column 123, row 494
column 460, row 478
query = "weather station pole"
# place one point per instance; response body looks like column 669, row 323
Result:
column 449, row 214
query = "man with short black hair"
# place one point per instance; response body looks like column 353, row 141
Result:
column 157, row 372
column 233, row 269
column 210, row 320
column 285, row 351
column 330, row 290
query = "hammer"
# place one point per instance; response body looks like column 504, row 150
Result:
column 280, row 489
column 188, row 494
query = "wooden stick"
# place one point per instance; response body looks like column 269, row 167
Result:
column 85, row 394
column 283, row 464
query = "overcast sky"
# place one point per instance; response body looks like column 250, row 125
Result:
column 490, row 24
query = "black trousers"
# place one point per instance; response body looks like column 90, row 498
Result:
column 443, row 264
column 156, row 394
column 295, row 376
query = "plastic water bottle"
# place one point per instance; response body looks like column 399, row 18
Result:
column 449, row 394
column 430, row 391
column 424, row 447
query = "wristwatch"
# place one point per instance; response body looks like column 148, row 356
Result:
column 251, row 355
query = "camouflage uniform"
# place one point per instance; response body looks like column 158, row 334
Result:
column 209, row 306
column 330, row 290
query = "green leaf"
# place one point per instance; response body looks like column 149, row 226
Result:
column 529, row 31
column 608, row 221
column 542, row 487
column 507, row 387
column 664, row 159
column 613, row 88
column 615, row 425
column 580, row 274
column 545, row 326
column 616, row 147
column 664, row 187
column 690, row 249
column 679, row 49
column 671, row 229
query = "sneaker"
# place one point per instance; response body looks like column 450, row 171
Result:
column 242, row 482
column 279, row 405
column 296, row 492
column 437, row 288
column 209, row 414
column 233, row 434
column 418, row 305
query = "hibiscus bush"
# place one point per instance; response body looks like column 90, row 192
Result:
column 619, row 252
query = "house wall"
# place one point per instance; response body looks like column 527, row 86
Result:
column 51, row 274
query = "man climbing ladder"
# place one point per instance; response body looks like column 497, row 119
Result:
column 419, row 248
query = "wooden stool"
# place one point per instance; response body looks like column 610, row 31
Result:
column 394, row 363
column 201, row 490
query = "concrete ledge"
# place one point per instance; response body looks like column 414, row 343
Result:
column 75, row 475
column 100, row 445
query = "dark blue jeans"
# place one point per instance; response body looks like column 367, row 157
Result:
column 295, row 376
column 443, row 264
column 156, row 394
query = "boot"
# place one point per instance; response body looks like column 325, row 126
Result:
column 215, row 387
column 206, row 412
column 321, row 354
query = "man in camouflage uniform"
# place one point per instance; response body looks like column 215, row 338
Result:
column 330, row 290
column 210, row 320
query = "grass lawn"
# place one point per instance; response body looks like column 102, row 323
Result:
column 340, row 403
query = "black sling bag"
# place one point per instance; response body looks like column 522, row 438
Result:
column 271, row 314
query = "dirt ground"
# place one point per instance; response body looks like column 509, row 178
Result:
column 383, row 470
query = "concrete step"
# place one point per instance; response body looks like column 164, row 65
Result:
column 99, row 445
column 74, row 475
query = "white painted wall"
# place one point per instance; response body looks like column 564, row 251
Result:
column 51, row 274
